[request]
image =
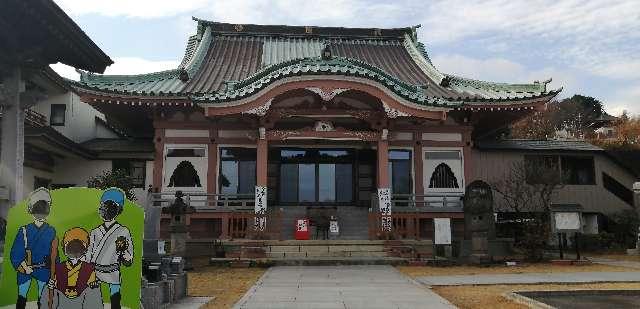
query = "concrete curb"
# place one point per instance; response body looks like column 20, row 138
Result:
column 420, row 285
column 529, row 302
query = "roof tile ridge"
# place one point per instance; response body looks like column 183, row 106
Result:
column 419, row 58
column 88, row 77
column 351, row 66
column 498, row 86
column 200, row 52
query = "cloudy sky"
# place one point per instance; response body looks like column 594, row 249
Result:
column 587, row 47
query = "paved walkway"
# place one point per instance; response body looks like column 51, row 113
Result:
column 344, row 287
column 628, row 264
column 531, row 278
column 190, row 303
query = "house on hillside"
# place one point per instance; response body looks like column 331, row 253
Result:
column 593, row 178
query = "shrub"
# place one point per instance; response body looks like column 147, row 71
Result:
column 116, row 178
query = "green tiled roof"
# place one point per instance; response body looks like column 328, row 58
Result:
column 318, row 66
column 491, row 90
column 540, row 145
column 224, row 62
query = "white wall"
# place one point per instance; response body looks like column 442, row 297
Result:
column 29, row 179
column 77, row 171
column 80, row 124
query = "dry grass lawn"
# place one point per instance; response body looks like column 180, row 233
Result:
column 491, row 296
column 227, row 285
column 417, row 271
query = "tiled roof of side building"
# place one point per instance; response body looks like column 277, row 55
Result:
column 119, row 145
column 221, row 54
column 551, row 145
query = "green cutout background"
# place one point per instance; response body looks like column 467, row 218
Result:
column 76, row 207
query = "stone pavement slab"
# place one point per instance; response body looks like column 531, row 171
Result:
column 343, row 287
column 531, row 278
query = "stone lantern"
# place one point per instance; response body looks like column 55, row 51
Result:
column 178, row 227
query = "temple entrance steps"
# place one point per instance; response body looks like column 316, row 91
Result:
column 352, row 220
column 329, row 252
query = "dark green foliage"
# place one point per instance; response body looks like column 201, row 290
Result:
column 624, row 225
column 117, row 178
column 575, row 115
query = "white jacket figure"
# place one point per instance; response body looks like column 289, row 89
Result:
column 110, row 244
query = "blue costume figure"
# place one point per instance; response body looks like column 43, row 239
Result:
column 32, row 249
column 110, row 244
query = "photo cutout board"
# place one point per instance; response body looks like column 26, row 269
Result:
column 73, row 248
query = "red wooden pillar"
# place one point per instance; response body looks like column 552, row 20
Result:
column 383, row 162
column 418, row 158
column 212, row 164
column 158, row 162
column 468, row 160
column 261, row 182
column 384, row 192
column 261, row 163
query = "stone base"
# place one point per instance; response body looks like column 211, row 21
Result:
column 476, row 258
column 179, row 285
column 152, row 296
column 633, row 252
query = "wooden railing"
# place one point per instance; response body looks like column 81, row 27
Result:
column 203, row 202
column 435, row 200
column 233, row 212
column 403, row 226
column 252, row 226
column 34, row 118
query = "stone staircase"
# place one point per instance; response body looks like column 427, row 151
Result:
column 353, row 222
column 325, row 249
column 327, row 252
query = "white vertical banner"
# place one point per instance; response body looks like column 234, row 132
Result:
column 260, row 208
column 384, row 204
column 442, row 233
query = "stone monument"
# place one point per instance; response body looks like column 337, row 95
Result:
column 479, row 220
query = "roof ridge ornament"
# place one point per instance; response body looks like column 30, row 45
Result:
column 326, row 94
column 184, row 75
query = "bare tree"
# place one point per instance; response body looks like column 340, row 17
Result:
column 527, row 190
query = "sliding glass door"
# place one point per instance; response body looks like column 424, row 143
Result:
column 316, row 176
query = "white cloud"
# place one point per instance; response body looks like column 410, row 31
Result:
column 627, row 98
column 504, row 70
column 121, row 66
column 601, row 37
column 131, row 8
column 65, row 71
column 493, row 69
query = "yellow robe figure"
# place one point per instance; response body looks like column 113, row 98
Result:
column 74, row 282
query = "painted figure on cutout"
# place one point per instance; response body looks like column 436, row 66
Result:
column 73, row 282
column 110, row 244
column 33, row 248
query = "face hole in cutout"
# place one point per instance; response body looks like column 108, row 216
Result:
column 40, row 208
column 75, row 249
column 109, row 210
